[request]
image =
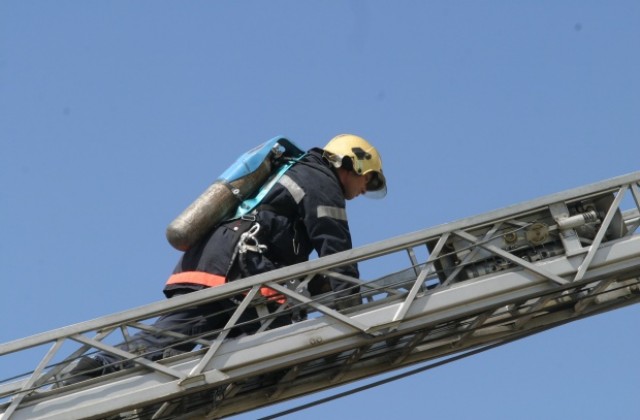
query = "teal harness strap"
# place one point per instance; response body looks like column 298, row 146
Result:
column 251, row 203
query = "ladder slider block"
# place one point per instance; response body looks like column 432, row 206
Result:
column 203, row 379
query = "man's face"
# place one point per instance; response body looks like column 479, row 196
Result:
column 354, row 184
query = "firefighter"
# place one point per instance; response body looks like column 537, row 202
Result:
column 304, row 211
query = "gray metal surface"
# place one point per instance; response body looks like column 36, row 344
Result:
column 473, row 283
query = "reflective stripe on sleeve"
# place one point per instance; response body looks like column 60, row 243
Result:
column 338, row 213
column 294, row 189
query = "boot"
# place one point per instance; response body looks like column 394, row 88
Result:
column 81, row 370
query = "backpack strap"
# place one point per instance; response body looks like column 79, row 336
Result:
column 250, row 204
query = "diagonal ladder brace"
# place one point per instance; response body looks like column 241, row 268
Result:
column 469, row 257
column 197, row 371
column 518, row 261
column 600, row 235
column 128, row 356
column 358, row 326
column 32, row 380
column 426, row 271
column 196, row 377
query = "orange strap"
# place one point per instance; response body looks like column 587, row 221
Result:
column 213, row 280
column 197, row 277
column 272, row 295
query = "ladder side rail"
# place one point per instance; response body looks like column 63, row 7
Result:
column 322, row 380
column 322, row 264
column 531, row 206
column 132, row 317
column 312, row 339
column 461, row 300
column 173, row 306
column 590, row 250
column 254, row 355
column 205, row 296
column 325, row 264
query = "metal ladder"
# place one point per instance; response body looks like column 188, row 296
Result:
column 441, row 292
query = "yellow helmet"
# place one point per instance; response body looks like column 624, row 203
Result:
column 364, row 159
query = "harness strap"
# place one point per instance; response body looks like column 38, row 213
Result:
column 249, row 204
column 213, row 280
column 197, row 277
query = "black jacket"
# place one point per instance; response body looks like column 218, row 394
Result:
column 304, row 211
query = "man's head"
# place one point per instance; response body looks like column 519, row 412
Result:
column 358, row 164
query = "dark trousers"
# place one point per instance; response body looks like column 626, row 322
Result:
column 201, row 321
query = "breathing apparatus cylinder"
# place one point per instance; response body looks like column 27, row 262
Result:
column 214, row 205
column 240, row 183
column 220, row 200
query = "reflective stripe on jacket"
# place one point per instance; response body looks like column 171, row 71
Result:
column 197, row 277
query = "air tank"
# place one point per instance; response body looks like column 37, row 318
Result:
column 241, row 181
column 216, row 204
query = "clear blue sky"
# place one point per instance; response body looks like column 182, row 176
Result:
column 115, row 115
